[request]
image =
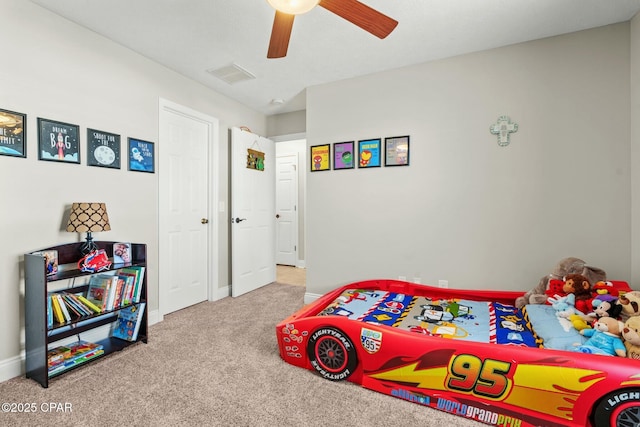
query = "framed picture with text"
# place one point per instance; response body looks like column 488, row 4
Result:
column 58, row 141
column 369, row 153
column 13, row 128
column 396, row 151
column 103, row 149
column 343, row 155
column 320, row 158
column 141, row 156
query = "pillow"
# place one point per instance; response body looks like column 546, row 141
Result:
column 556, row 332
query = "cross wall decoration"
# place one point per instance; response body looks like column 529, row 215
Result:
column 503, row 128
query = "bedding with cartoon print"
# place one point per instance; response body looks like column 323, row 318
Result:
column 452, row 318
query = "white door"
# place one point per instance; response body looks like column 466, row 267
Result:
column 253, row 261
column 286, row 209
column 184, row 200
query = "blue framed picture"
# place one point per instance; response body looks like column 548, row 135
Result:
column 141, row 156
column 369, row 153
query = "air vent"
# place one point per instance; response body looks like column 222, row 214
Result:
column 232, row 74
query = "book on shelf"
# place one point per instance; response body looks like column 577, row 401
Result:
column 129, row 286
column 138, row 272
column 89, row 304
column 51, row 261
column 72, row 304
column 65, row 357
column 63, row 307
column 49, row 312
column 128, row 324
column 77, row 361
column 57, row 311
column 100, row 290
column 73, row 300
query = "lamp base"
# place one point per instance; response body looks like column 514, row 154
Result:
column 88, row 246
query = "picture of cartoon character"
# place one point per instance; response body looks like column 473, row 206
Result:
column 365, row 158
column 60, row 146
column 317, row 162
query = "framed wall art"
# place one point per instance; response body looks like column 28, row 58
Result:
column 396, row 151
column 13, row 128
column 58, row 142
column 369, row 153
column 343, row 155
column 320, row 158
column 103, row 149
column 141, row 156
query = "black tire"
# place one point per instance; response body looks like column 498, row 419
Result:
column 618, row 409
column 332, row 354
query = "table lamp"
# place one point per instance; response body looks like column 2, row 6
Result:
column 88, row 217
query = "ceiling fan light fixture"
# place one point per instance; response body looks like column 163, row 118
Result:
column 293, row 7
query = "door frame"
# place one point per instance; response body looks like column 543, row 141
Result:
column 302, row 180
column 213, row 181
column 296, row 197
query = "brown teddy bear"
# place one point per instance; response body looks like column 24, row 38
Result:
column 566, row 266
column 631, row 336
column 605, row 338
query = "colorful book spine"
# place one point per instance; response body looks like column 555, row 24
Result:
column 57, row 311
column 89, row 304
column 63, row 307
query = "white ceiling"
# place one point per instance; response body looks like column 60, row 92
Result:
column 192, row 36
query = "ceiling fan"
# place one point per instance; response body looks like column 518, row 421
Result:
column 357, row 13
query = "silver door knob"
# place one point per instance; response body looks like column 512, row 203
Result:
column 204, row 221
column 239, row 219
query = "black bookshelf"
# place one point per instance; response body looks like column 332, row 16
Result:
column 39, row 337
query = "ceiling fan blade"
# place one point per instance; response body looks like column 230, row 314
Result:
column 363, row 16
column 280, row 35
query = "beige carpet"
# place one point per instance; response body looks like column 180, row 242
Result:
column 213, row 364
column 291, row 275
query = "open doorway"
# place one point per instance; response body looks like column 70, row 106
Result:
column 290, row 209
column 289, row 275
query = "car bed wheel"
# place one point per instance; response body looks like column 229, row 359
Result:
column 618, row 409
column 332, row 354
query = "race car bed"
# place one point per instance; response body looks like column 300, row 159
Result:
column 470, row 353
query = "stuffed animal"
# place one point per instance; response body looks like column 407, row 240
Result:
column 566, row 266
column 579, row 285
column 604, row 308
column 604, row 338
column 630, row 304
column 563, row 305
column 605, row 288
column 631, row 335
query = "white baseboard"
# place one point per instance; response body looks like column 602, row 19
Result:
column 12, row 367
column 300, row 263
column 222, row 293
column 309, row 297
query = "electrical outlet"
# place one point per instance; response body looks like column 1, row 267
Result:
column 443, row 283
column 403, row 278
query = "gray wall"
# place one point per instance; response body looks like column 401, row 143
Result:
column 57, row 70
column 635, row 151
column 467, row 210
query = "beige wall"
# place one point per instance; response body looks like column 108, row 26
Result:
column 467, row 210
column 287, row 123
column 635, row 150
column 57, row 70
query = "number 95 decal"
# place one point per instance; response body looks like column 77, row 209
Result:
column 488, row 378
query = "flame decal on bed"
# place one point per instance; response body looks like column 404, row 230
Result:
column 531, row 386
